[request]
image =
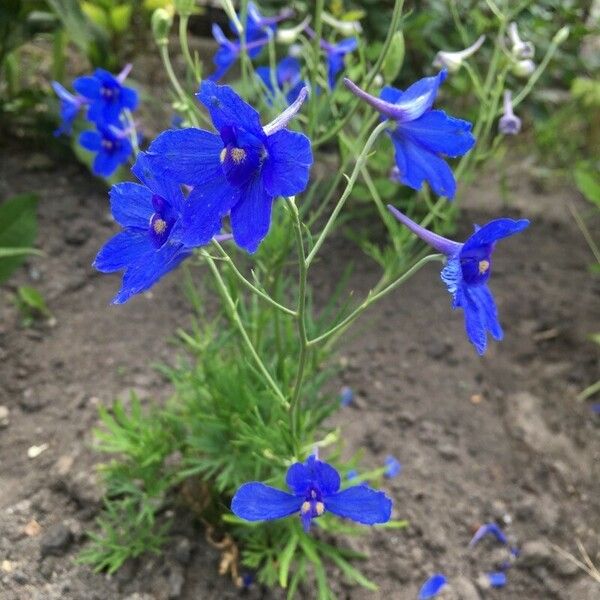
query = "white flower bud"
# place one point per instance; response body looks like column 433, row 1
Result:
column 523, row 68
column 454, row 60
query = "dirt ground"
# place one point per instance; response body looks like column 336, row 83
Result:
column 500, row 438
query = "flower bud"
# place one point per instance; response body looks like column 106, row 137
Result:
column 561, row 35
column 344, row 27
column 454, row 60
column 290, row 35
column 184, row 7
column 161, row 25
column 523, row 68
column 520, row 50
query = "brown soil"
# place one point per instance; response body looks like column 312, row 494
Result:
column 501, row 437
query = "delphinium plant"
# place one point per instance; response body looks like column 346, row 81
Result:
column 231, row 192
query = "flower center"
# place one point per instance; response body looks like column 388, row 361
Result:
column 107, row 92
column 108, row 144
column 484, row 265
column 159, row 225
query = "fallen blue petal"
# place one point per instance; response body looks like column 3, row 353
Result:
column 346, row 395
column 497, row 579
column 392, row 467
column 432, row 586
column 488, row 529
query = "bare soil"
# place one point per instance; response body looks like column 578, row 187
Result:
column 497, row 438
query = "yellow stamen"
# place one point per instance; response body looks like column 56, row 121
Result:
column 159, row 226
column 238, row 155
column 223, row 155
column 484, row 265
column 305, row 507
column 320, row 508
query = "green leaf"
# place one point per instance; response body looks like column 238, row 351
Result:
column 587, row 181
column 33, row 299
column 285, row 560
column 95, row 14
column 120, row 17
column 18, row 229
column 395, row 58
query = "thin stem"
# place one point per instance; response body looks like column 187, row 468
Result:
column 164, row 54
column 235, row 317
column 185, row 49
column 396, row 16
column 360, row 161
column 250, row 285
column 371, row 298
column 314, row 66
column 301, row 320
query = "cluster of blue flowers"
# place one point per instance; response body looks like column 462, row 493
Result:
column 197, row 185
column 103, row 98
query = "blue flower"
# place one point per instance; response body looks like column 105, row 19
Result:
column 70, row 106
column 489, row 529
column 239, row 171
column 432, row 587
column 467, row 270
column 315, row 490
column 288, row 76
column 112, row 148
column 346, row 396
column 497, row 579
column 336, row 54
column 107, row 95
column 259, row 30
column 149, row 245
column 421, row 135
column 392, row 467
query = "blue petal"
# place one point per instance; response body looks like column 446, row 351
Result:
column 189, row 156
column 497, row 579
column 489, row 529
column 129, row 98
column 87, row 86
column 142, row 275
column 265, row 75
column 392, row 467
column 251, row 216
column 417, row 165
column 302, row 476
column 288, row 70
column 286, row 171
column 227, row 109
column 153, row 176
column 440, row 133
column 258, row 502
column 335, row 63
column 203, row 210
column 432, row 587
column 346, row 46
column 480, row 313
column 105, row 163
column 494, row 231
column 346, row 396
column 90, row 140
column 219, row 36
column 131, row 205
column 123, row 249
column 451, row 275
column 390, row 94
column 419, row 97
column 361, row 504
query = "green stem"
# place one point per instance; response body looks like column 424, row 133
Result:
column 59, row 44
column 185, row 48
column 314, row 66
column 250, row 285
column 396, row 16
column 371, row 298
column 235, row 317
column 301, row 321
column 360, row 161
column 164, row 54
